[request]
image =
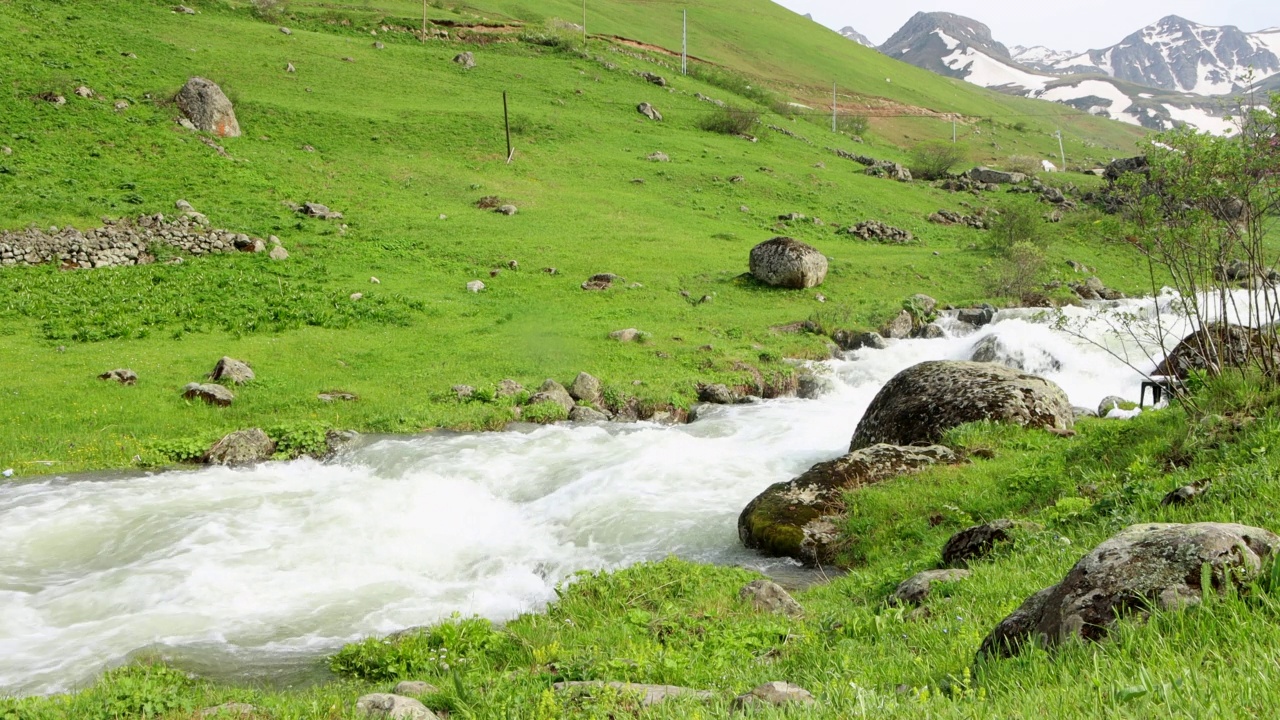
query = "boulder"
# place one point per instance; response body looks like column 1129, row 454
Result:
column 1117, row 168
column 1112, row 402
column 922, row 402
column 654, row 78
column 788, row 263
column 856, row 341
column 899, row 327
column 232, row 370
column 465, row 59
column 278, row 253
column 773, row 693
column 475, row 286
column 768, row 596
column 210, row 393
column 648, row 111
column 648, row 694
column 915, row 589
column 995, row 177
column 584, row 414
column 926, row 304
column 932, row 331
column 976, row 542
column 977, row 316
column 810, row 386
column 1218, row 346
column 207, row 107
column 124, row 376
column 1187, row 493
column 795, row 518
column 718, row 394
column 552, row 391
column 991, row 349
column 507, row 388
column 336, row 441
column 889, row 169
column 1158, row 565
column 241, row 448
column 393, row 707
column 586, row 388
column 415, row 688
column 627, row 335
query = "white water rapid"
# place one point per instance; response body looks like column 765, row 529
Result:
column 236, row 571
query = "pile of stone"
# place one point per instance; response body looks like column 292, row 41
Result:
column 966, row 184
column 891, row 170
column 860, row 159
column 876, row 231
column 790, row 134
column 1093, row 289
column 951, row 217
column 122, row 242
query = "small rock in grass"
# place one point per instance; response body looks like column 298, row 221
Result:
column 976, row 542
column 658, row 157
column 649, row 111
column 463, row 392
column 374, row 281
column 415, row 688
column 627, row 335
column 774, row 693
column 124, row 376
column 586, row 388
column 229, row 710
column 236, row 371
column 396, row 707
column 357, row 296
column 769, row 596
column 210, row 393
column 507, row 210
column 1187, row 493
column 379, row 46
column 84, row 92
column 289, row 68
column 475, row 286
column 286, row 31
column 337, row 395
column 6, row 150
column 915, row 589
column 184, row 10
column 278, row 253
column 508, row 387
column 466, row 60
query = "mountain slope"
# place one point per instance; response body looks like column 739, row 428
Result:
column 856, row 36
column 1177, row 54
column 963, row 48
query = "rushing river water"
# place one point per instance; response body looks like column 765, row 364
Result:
column 237, row 572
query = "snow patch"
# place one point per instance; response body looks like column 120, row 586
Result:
column 1200, row 120
column 950, row 42
column 988, row 72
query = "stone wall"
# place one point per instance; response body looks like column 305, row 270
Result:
column 121, row 242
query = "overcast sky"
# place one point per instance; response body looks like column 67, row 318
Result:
column 1079, row 25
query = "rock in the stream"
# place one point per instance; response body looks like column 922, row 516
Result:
column 393, row 707
column 768, row 596
column 1157, row 565
column 232, row 370
column 584, row 414
column 915, row 589
column 797, row 519
column 976, row 542
column 648, row 694
column 208, row 108
column 124, row 376
column 922, row 402
column 208, row 392
column 241, row 448
column 718, row 394
column 991, row 349
column 788, row 263
column 775, row 694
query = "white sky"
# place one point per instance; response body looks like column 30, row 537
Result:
column 1080, row 25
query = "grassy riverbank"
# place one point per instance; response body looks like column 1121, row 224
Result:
column 677, row 623
column 404, row 142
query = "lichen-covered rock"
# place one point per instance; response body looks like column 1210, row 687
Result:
column 1219, row 346
column 587, row 388
column 1144, row 565
column 876, row 231
column 208, row 108
column 393, row 707
column 976, row 542
column 797, row 518
column 648, row 111
column 848, row 340
column 232, row 370
column 208, row 392
column 784, row 262
column 899, row 327
column 994, row 177
column 124, row 376
column 916, row 588
column 241, row 448
column 584, row 414
column 922, row 402
column 415, row 688
column 769, row 596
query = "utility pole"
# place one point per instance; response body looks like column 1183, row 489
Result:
column 684, row 46
column 1062, row 151
column 506, row 119
column 424, row 21
column 584, row 22
column 833, row 106
column 953, row 130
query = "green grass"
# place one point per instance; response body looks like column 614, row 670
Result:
column 402, row 136
column 679, row 623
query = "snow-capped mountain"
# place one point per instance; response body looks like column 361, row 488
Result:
column 1039, row 57
column 1177, row 54
column 963, row 48
column 856, row 36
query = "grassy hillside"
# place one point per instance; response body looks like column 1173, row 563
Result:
column 404, row 142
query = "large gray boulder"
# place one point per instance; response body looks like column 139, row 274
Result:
column 769, row 596
column 798, row 519
column 991, row 349
column 587, row 388
column 994, row 177
column 241, row 448
column 231, row 370
column 207, row 107
column 1157, row 565
column 922, row 402
column 784, row 262
column 552, row 391
column 1219, row 346
column 208, row 392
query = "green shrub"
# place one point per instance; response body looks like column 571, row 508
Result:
column 1025, row 164
column 1016, row 223
column 545, row 412
column 453, row 645
column 181, row 450
column 933, row 159
column 730, row 121
column 298, row 439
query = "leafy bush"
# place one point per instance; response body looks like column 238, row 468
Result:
column 1019, row 273
column 730, row 121
column 933, row 159
column 545, row 412
column 298, row 439
column 1016, row 223
column 182, row 450
column 453, row 645
column 1025, row 164
column 140, row 691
